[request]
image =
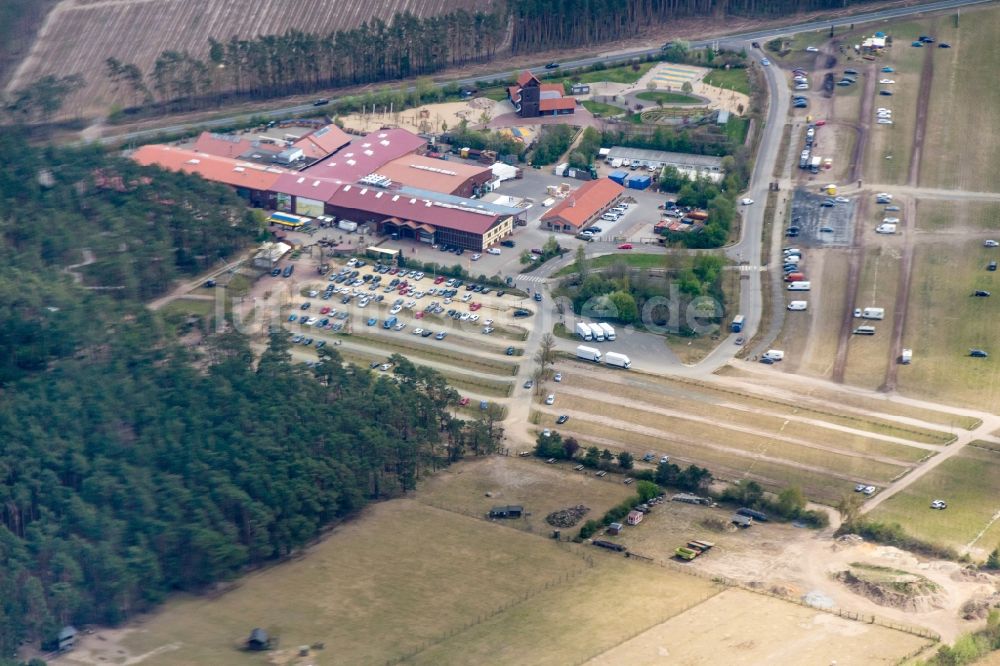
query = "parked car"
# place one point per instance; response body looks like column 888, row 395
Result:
column 550, row 399
column 991, row 243
column 558, row 377
column 978, row 353
column 625, row 246
column 939, row 505
column 529, row 383
column 562, row 419
column 746, row 201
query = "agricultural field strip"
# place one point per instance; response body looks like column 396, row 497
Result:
column 715, row 414
column 461, row 361
column 453, row 343
column 802, row 393
column 723, row 465
column 878, row 284
column 825, row 461
column 722, row 390
column 701, row 431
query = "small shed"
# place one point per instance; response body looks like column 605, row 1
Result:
column 67, row 638
column 259, row 640
column 634, row 517
column 510, row 511
column 580, row 89
column 741, row 521
column 614, row 529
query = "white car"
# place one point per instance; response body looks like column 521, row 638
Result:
column 746, row 201
column 352, row 263
column 765, row 62
column 551, row 399
column 884, row 121
column 886, row 81
column 466, row 298
column 418, row 331
column 939, row 504
column 395, row 309
column 477, row 256
column 869, row 490
column 363, row 302
column 410, row 304
column 558, row 377
column 399, row 327
column 802, row 86
column 812, row 49
column 311, row 321
column 991, row 243
column 488, row 322
column 473, row 317
column 860, row 488
column 890, row 220
column 487, row 330
column 418, row 276
column 493, row 250
column 465, row 316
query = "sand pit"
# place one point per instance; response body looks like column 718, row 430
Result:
column 426, row 118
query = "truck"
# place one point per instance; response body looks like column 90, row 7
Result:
column 737, row 324
column 583, row 330
column 693, row 549
column 596, row 332
column 347, row 225
column 873, row 313
column 798, row 285
column 617, row 360
column 588, row 354
column 609, row 331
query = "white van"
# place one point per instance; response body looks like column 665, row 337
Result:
column 775, row 354
column 864, row 330
column 798, row 286
column 798, row 305
column 885, row 229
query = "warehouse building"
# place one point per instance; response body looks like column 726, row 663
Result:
column 532, row 98
column 428, row 173
column 426, row 220
column 583, row 207
column 254, row 182
column 367, row 155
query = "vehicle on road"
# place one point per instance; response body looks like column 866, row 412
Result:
column 321, row 102
column 625, row 246
column 440, row 336
column 552, row 65
column 765, row 62
column 812, row 49
column 746, row 201
column 493, row 250
column 886, row 81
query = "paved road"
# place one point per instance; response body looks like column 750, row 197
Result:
column 621, row 57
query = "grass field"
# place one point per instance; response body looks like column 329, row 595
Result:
column 868, row 356
column 945, row 321
column 730, row 79
column 955, row 217
column 970, row 484
column 964, row 101
column 764, row 631
column 810, row 338
column 623, row 74
column 636, row 260
column 890, row 146
column 663, row 97
column 602, row 109
column 407, row 348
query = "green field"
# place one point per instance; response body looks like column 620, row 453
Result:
column 964, row 101
column 868, row 356
column 970, row 484
column 954, row 217
column 945, row 321
column 635, row 260
column 730, row 79
column 602, row 109
column 663, row 97
column 623, row 74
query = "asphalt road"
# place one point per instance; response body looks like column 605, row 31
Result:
column 625, row 56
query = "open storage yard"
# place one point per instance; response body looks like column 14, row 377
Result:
column 970, row 485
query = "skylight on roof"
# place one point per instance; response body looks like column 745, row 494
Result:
column 369, row 153
column 384, row 142
column 301, row 180
column 194, row 160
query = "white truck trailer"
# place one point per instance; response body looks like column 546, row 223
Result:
column 597, row 332
column 617, row 360
column 609, row 331
column 588, row 354
column 583, row 330
column 873, row 313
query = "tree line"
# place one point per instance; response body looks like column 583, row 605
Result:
column 132, row 465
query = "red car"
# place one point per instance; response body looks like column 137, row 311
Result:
column 820, row 123
column 475, row 306
column 625, row 246
column 464, row 401
column 325, row 309
column 393, row 271
column 419, row 315
column 439, row 279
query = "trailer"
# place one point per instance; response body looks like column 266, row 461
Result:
column 583, row 330
column 596, row 332
column 873, row 313
column 618, row 360
column 588, row 354
column 609, row 331
column 618, row 176
column 610, row 545
column 347, row 225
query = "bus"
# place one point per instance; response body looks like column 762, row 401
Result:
column 288, row 221
column 737, row 325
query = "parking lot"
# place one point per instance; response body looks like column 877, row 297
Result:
column 821, row 226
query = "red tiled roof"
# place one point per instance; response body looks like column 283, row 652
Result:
column 305, row 185
column 222, row 145
column 427, row 173
column 364, row 156
column 525, row 77
column 513, row 91
column 387, row 204
column 591, row 198
column 556, row 104
column 553, row 87
column 323, row 142
column 211, row 167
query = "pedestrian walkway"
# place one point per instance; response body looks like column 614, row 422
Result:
column 529, row 278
